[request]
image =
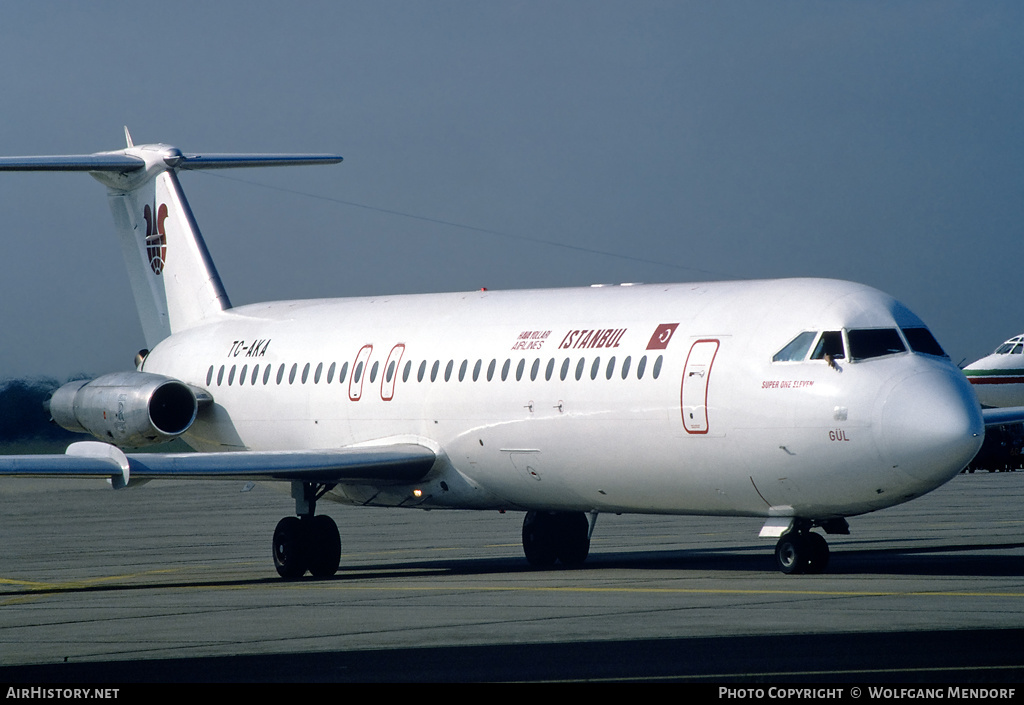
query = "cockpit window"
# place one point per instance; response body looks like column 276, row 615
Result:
column 1011, row 346
column 797, row 349
column 874, row 342
column 830, row 344
column 922, row 341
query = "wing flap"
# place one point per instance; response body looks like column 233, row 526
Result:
column 400, row 462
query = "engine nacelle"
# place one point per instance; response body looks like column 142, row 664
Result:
column 130, row 409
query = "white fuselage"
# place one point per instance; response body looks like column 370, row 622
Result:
column 656, row 398
column 998, row 379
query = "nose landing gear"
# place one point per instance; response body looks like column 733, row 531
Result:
column 801, row 551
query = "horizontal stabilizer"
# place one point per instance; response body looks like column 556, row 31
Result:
column 114, row 161
column 122, row 162
column 401, row 462
column 228, row 161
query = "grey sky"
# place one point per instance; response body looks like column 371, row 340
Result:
column 873, row 141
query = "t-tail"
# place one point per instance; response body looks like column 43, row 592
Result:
column 173, row 278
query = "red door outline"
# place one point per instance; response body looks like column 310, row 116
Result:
column 355, row 386
column 693, row 393
column 387, row 386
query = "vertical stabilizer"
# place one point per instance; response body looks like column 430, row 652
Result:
column 173, row 278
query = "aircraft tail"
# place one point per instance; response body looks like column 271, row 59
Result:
column 173, row 278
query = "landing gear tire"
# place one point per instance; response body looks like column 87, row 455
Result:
column 550, row 537
column 801, row 552
column 310, row 543
column 538, row 543
column 290, row 548
column 817, row 560
column 324, row 546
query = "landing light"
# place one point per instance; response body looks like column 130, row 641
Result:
column 417, row 493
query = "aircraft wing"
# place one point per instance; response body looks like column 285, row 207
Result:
column 1005, row 415
column 400, row 462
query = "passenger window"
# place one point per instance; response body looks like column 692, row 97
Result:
column 534, row 370
column 280, row 373
column 422, row 371
column 490, row 369
column 796, row 349
column 657, row 367
column 434, row 369
column 504, row 370
column 305, row 373
column 831, row 344
column 462, row 369
column 407, row 370
column 640, row 367
column 373, row 372
column 242, row 373
column 519, row 370
column 343, row 373
column 266, row 375
column 448, row 370
column 595, row 368
column 330, row 372
column 579, row 369
column 231, row 376
column 625, row 367
column 550, row 370
column 255, row 374
column 565, row 369
column 476, row 370
column 209, row 376
column 319, row 371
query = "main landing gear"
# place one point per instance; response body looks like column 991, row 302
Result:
column 556, row 536
column 800, row 550
column 307, row 542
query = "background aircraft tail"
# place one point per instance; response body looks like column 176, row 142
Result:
column 173, row 278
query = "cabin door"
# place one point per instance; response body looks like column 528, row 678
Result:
column 696, row 377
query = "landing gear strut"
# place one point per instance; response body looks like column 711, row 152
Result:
column 307, row 542
column 801, row 551
column 556, row 536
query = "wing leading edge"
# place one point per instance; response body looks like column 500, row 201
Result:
column 400, row 462
column 1006, row 415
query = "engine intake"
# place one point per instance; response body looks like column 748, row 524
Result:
column 129, row 409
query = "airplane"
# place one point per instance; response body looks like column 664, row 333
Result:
column 998, row 379
column 798, row 401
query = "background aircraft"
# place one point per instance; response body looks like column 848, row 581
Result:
column 800, row 401
column 998, row 379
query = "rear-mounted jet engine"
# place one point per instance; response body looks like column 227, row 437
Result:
column 129, row 409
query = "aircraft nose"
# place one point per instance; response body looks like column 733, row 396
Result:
column 931, row 425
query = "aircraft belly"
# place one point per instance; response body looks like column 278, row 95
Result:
column 610, row 465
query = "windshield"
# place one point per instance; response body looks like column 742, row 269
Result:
column 874, row 342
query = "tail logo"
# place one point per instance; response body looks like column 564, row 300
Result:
column 156, row 237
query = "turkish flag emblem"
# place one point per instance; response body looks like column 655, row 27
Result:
column 663, row 334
